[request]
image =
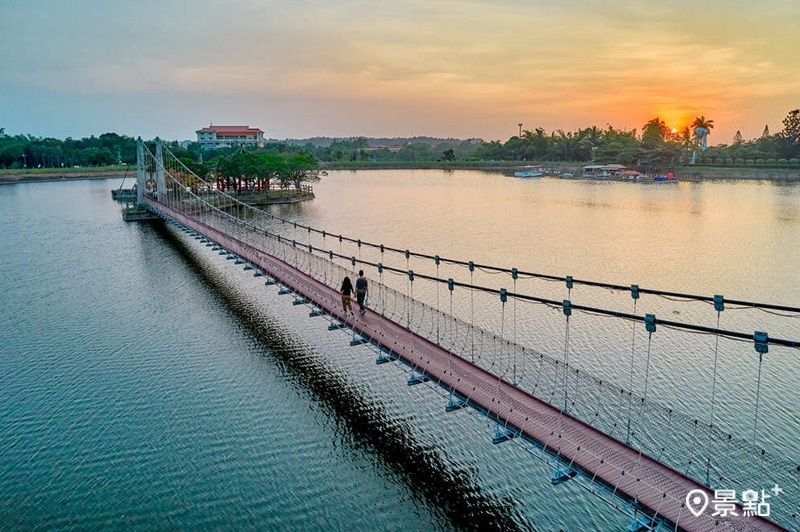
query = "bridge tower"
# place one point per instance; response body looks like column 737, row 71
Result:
column 161, row 184
column 145, row 171
column 140, row 178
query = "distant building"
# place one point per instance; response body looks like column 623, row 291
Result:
column 225, row 136
column 390, row 148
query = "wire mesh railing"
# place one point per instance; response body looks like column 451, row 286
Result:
column 695, row 447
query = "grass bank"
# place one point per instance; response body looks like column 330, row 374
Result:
column 63, row 174
column 701, row 173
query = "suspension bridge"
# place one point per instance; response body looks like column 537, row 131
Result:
column 641, row 457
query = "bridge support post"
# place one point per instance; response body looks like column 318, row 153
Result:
column 385, row 355
column 140, row 179
column 358, row 340
column 641, row 524
column 415, row 379
column 161, row 184
column 455, row 403
column 502, row 434
column 562, row 474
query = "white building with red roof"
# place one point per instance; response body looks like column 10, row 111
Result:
column 225, row 136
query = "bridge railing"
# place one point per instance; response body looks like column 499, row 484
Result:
column 697, row 448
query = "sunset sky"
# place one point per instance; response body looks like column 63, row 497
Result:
column 445, row 68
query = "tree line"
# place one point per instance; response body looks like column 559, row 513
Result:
column 27, row 151
column 248, row 171
column 655, row 148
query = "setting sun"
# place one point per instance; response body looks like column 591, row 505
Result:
column 674, row 130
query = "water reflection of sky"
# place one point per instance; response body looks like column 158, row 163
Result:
column 734, row 237
column 738, row 239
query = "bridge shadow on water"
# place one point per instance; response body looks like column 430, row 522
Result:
column 364, row 423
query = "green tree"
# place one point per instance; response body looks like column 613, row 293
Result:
column 302, row 169
column 534, row 144
column 186, row 174
column 416, row 151
column 790, row 136
column 562, row 146
column 237, row 171
column 94, row 156
column 654, row 132
column 11, row 155
column 489, row 151
column 617, row 146
column 272, row 167
column 660, row 150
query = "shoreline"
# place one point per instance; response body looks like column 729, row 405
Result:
column 716, row 173
column 35, row 176
column 683, row 173
column 686, row 173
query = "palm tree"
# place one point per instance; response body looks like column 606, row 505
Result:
column 701, row 121
column 702, row 127
column 654, row 132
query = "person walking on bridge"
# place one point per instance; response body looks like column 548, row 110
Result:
column 362, row 291
column 347, row 292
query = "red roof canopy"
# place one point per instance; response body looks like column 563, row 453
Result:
column 231, row 130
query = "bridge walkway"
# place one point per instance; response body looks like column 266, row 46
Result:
column 625, row 471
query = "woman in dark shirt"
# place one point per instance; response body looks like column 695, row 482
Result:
column 347, row 292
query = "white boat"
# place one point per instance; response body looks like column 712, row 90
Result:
column 535, row 171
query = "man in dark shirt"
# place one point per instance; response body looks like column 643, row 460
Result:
column 361, row 291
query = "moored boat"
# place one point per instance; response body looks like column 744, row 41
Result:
column 533, row 171
column 529, row 173
column 670, row 177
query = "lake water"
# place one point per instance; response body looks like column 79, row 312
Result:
column 148, row 384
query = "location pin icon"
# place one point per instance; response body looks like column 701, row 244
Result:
column 697, row 501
